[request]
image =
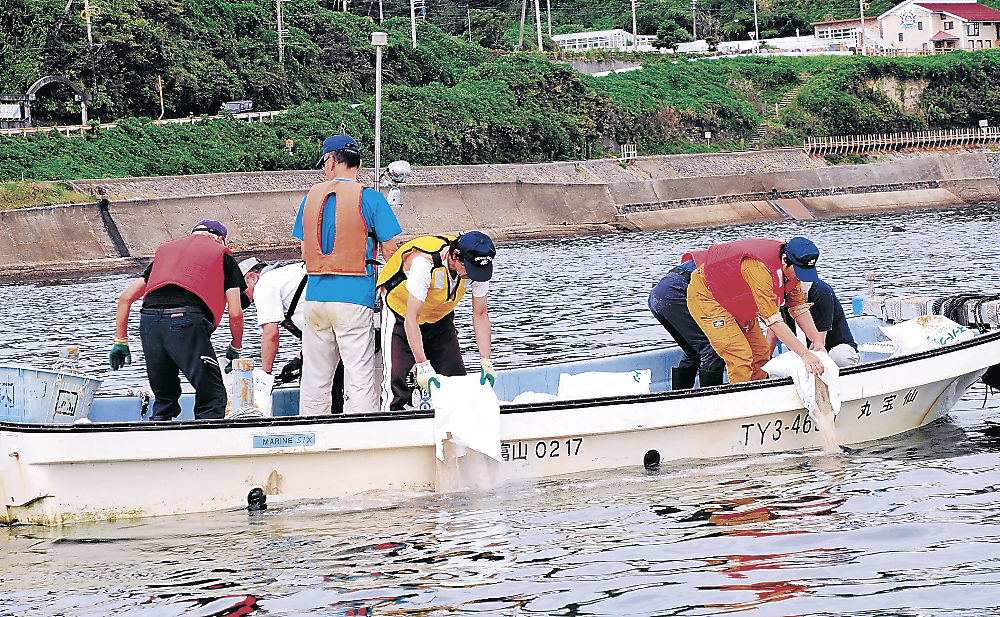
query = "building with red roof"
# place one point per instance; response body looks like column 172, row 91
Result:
column 945, row 25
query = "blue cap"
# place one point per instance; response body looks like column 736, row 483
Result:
column 214, row 227
column 339, row 142
column 477, row 252
column 802, row 254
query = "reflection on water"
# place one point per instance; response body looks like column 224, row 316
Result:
column 903, row 526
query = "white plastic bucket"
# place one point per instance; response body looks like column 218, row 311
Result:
column 43, row 396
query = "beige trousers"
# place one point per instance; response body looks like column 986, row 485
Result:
column 337, row 331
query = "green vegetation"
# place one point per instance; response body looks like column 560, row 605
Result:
column 26, row 194
column 448, row 101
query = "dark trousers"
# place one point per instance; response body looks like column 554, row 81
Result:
column 440, row 341
column 180, row 340
column 669, row 305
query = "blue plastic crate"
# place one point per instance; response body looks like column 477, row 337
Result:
column 44, row 396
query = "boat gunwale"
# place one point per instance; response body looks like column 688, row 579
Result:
column 561, row 405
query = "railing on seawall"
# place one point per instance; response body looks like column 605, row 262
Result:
column 844, row 144
column 76, row 129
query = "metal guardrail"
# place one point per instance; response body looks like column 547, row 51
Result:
column 68, row 130
column 843, row 144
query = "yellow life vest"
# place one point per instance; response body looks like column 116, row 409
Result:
column 441, row 297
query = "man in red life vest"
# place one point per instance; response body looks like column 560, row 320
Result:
column 185, row 290
column 737, row 282
column 341, row 224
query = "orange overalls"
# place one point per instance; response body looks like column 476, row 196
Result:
column 745, row 351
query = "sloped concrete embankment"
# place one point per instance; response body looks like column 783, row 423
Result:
column 509, row 201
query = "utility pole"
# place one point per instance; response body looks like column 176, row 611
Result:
column 538, row 23
column 413, row 23
column 756, row 31
column 520, row 37
column 635, row 38
column 380, row 11
column 468, row 13
column 694, row 19
column 861, row 32
column 159, row 86
column 281, row 33
column 548, row 9
column 86, row 14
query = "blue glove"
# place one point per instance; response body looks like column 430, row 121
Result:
column 120, row 355
column 232, row 353
column 487, row 372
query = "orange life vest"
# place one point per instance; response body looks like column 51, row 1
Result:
column 350, row 240
column 194, row 263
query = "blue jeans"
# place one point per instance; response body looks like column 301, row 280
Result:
column 180, row 339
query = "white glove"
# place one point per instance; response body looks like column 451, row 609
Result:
column 426, row 375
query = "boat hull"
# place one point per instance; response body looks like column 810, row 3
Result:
column 108, row 471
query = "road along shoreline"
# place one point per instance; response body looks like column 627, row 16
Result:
column 510, row 202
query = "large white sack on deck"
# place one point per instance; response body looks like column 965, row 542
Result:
column 470, row 411
column 925, row 333
column 596, row 384
column 263, row 384
column 790, row 364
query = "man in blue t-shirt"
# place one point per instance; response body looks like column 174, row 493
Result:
column 831, row 322
column 340, row 292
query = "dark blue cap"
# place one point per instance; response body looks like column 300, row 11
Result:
column 477, row 252
column 214, row 227
column 339, row 142
column 802, row 254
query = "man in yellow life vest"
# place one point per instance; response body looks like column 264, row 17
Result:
column 423, row 281
column 341, row 224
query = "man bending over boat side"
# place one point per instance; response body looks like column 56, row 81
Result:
column 737, row 282
column 342, row 224
column 423, row 283
column 277, row 291
column 831, row 323
column 185, row 289
column 668, row 303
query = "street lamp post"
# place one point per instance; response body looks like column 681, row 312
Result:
column 379, row 39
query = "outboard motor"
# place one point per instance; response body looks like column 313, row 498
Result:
column 992, row 377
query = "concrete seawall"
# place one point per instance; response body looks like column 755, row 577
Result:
column 509, row 201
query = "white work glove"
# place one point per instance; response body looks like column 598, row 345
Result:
column 487, row 372
column 426, row 375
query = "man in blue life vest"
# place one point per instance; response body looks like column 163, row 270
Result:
column 341, row 224
column 423, row 283
column 185, row 290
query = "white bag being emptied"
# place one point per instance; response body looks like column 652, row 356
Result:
column 925, row 333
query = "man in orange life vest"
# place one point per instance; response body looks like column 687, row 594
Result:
column 341, row 224
column 185, row 290
column 737, row 282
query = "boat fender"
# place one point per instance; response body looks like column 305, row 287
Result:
column 256, row 500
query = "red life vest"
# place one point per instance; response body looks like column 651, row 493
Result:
column 194, row 263
column 724, row 277
column 350, row 237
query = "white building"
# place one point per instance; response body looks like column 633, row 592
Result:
column 943, row 25
column 617, row 39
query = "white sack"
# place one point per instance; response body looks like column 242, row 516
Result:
column 925, row 333
column 263, row 384
column 469, row 411
column 789, row 364
column 597, row 384
column 534, row 397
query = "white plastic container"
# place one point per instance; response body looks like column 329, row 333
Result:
column 44, row 396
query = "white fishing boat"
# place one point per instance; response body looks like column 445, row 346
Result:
column 116, row 465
